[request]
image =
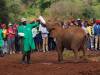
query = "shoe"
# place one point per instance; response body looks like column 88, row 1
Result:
column 10, row 53
column 23, row 62
column 2, row 55
column 29, row 62
column 44, row 51
column 13, row 52
column 88, row 49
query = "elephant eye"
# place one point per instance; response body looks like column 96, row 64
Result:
column 53, row 29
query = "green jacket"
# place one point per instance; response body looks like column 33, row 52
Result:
column 29, row 43
column 1, row 38
column 20, row 29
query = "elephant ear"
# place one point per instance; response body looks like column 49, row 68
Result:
column 52, row 25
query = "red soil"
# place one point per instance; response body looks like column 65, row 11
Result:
column 46, row 64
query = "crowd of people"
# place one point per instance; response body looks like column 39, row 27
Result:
column 34, row 36
column 91, row 27
column 24, row 38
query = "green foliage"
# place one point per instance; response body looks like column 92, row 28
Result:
column 97, row 11
column 44, row 5
column 3, row 11
column 88, row 12
column 98, row 1
column 76, row 8
column 15, row 9
column 66, row 8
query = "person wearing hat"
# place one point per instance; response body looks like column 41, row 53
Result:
column 11, row 39
column 79, row 22
column 96, row 30
column 28, row 41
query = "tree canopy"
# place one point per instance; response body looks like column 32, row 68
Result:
column 14, row 9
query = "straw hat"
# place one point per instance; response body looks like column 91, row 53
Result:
column 23, row 19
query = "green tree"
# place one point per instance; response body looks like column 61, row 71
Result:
column 13, row 7
column 3, row 12
column 66, row 8
column 88, row 13
column 43, row 5
column 98, row 1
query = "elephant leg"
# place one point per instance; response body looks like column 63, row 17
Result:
column 60, row 56
column 75, row 53
column 84, row 53
column 60, row 53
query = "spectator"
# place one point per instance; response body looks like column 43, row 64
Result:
column 44, row 33
column 15, row 27
column 37, row 37
column 1, row 43
column 99, row 37
column 79, row 22
column 5, row 47
column 90, row 33
column 11, row 39
column 96, row 34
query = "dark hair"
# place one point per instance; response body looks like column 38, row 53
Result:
column 44, row 25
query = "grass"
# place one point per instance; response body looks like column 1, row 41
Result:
column 69, row 53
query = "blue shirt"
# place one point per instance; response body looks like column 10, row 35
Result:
column 96, row 29
column 99, row 30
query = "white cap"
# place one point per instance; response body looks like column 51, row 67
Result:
column 42, row 19
column 78, row 19
column 23, row 19
column 10, row 24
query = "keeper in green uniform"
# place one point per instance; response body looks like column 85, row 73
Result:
column 28, row 41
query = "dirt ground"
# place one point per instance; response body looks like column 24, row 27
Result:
column 46, row 64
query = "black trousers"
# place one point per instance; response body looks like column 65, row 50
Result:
column 17, row 44
column 1, row 53
column 26, row 57
column 20, row 41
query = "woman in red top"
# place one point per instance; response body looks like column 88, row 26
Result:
column 11, row 39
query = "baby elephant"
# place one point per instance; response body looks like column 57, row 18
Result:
column 73, row 38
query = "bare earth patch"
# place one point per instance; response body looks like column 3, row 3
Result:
column 46, row 64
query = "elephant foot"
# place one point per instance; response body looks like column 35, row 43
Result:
column 84, row 57
column 61, row 62
column 77, row 58
column 60, row 59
